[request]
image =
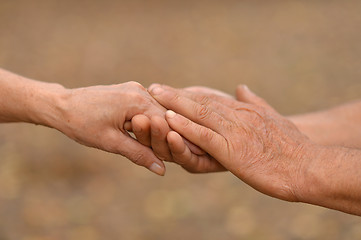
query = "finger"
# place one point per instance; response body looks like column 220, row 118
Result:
column 128, row 126
column 220, row 99
column 159, row 129
column 245, row 95
column 208, row 91
column 141, row 129
column 194, row 148
column 191, row 162
column 207, row 139
column 139, row 154
column 140, row 126
column 178, row 148
column 203, row 98
column 205, row 92
column 199, row 113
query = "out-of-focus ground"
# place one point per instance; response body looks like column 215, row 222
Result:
column 299, row 55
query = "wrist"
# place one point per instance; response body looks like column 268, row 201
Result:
column 48, row 105
column 318, row 174
column 306, row 178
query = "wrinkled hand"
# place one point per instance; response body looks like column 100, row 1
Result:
column 95, row 117
column 251, row 140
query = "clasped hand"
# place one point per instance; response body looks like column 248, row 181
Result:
column 204, row 130
column 246, row 137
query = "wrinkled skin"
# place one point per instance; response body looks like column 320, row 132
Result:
column 250, row 139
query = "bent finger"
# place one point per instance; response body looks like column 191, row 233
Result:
column 141, row 129
column 189, row 161
column 159, row 129
column 139, row 154
column 207, row 139
column 128, row 126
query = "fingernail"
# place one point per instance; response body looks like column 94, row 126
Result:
column 170, row 114
column 156, row 90
column 157, row 169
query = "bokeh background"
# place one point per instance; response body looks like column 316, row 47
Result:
column 299, row 55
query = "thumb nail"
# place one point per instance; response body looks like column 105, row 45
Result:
column 157, row 169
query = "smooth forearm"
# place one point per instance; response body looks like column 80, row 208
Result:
column 339, row 126
column 332, row 179
column 26, row 100
column 93, row 116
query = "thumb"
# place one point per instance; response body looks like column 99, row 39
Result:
column 244, row 94
column 139, row 154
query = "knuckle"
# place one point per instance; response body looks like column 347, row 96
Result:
column 135, row 85
column 203, row 100
column 110, row 143
column 206, row 135
column 176, row 98
column 201, row 167
column 186, row 123
column 203, row 112
column 137, row 158
column 136, row 97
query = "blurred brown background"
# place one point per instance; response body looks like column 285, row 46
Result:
column 299, row 55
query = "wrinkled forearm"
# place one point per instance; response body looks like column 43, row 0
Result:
column 25, row 100
column 332, row 179
column 340, row 126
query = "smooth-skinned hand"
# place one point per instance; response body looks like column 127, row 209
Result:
column 95, row 116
